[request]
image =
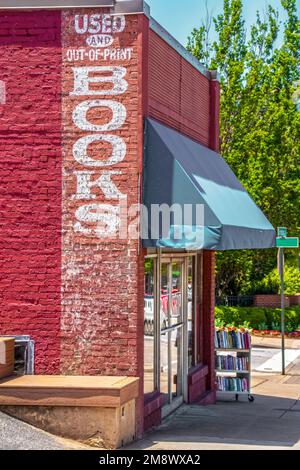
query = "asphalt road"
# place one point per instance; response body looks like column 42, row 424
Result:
column 16, row 435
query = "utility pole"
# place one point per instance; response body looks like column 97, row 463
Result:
column 282, row 242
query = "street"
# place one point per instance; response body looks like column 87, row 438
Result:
column 16, row 435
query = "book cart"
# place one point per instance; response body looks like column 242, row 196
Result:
column 233, row 362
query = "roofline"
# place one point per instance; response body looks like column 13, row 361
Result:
column 118, row 7
column 166, row 36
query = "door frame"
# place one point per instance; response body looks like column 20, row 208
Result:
column 160, row 258
column 179, row 328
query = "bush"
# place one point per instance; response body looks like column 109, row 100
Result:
column 270, row 284
column 258, row 317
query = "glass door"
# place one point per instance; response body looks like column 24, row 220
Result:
column 172, row 332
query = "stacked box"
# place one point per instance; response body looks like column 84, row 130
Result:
column 7, row 356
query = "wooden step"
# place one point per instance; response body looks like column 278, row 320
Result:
column 79, row 391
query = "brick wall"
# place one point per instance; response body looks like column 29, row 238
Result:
column 179, row 95
column 294, row 299
column 102, row 285
column 273, row 301
column 208, row 316
column 30, row 181
column 75, row 288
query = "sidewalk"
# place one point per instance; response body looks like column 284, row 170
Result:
column 263, row 342
column 271, row 422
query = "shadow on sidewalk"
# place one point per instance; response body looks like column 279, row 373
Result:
column 272, row 421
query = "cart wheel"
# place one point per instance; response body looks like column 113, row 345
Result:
column 251, row 398
column 236, row 397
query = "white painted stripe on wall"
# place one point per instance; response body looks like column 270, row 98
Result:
column 2, row 92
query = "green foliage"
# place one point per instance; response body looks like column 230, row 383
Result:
column 258, row 318
column 270, row 284
column 246, row 325
column 275, row 326
column 219, row 323
column 239, row 315
column 262, row 326
column 260, row 124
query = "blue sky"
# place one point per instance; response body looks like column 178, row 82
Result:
column 179, row 17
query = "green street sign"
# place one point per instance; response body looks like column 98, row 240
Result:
column 290, row 242
column 282, row 232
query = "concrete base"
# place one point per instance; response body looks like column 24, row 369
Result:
column 108, row 428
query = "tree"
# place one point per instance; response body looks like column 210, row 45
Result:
column 260, row 122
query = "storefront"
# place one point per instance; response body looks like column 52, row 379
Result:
column 102, row 110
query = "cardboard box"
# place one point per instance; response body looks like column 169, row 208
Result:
column 7, row 356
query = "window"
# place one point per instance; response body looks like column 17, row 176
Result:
column 149, row 325
column 191, row 313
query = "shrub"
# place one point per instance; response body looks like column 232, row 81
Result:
column 240, row 315
column 263, row 326
column 292, row 317
column 257, row 317
column 270, row 284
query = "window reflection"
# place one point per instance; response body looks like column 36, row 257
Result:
column 171, row 291
column 191, row 315
column 149, row 326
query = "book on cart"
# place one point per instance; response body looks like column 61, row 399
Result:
column 232, row 339
column 233, row 361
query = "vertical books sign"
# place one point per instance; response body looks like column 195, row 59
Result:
column 100, row 156
column 95, row 115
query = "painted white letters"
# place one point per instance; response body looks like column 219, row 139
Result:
column 83, row 78
column 85, row 184
column 117, row 121
column 99, row 118
column 104, row 217
column 118, row 153
column 99, row 23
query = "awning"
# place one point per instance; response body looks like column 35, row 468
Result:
column 217, row 212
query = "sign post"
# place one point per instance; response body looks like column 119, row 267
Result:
column 281, row 275
column 282, row 242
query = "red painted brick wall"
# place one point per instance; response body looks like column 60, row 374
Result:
column 208, row 316
column 102, row 279
column 30, row 181
column 79, row 297
column 179, row 95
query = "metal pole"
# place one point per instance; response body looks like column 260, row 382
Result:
column 281, row 270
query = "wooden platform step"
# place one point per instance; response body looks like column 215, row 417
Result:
column 70, row 391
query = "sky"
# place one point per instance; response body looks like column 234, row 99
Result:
column 179, row 17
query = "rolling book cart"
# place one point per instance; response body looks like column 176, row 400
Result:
column 233, row 362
